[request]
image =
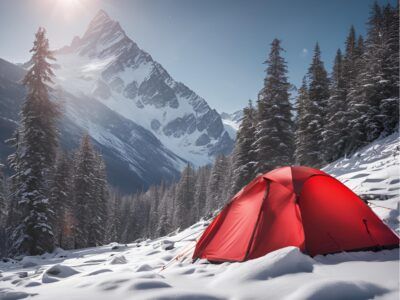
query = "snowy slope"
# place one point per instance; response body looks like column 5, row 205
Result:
column 232, row 122
column 134, row 271
column 105, row 64
column 135, row 158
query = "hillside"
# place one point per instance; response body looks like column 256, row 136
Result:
column 134, row 270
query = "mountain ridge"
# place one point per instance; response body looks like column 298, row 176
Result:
column 127, row 80
column 142, row 140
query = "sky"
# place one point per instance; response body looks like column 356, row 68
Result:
column 216, row 47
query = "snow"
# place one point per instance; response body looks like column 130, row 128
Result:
column 149, row 270
column 81, row 72
column 232, row 122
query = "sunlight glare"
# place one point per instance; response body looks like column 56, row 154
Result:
column 69, row 8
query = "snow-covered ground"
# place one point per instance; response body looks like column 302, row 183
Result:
column 135, row 271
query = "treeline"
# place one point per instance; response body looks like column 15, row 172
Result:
column 335, row 114
column 53, row 199
column 163, row 209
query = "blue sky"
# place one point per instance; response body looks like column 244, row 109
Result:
column 216, row 47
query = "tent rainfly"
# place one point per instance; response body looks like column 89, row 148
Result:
column 293, row 206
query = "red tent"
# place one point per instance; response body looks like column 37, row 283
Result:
column 293, row 206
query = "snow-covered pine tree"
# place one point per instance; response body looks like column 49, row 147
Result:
column 303, row 119
column 125, row 218
column 372, row 85
column 216, row 184
column 3, row 198
column 163, row 227
column 99, row 203
column 61, row 201
column 3, row 211
column 35, row 156
column 154, row 194
column 227, row 191
column 335, row 131
column 84, row 191
column 313, row 112
column 114, row 217
column 166, row 211
column 200, row 195
column 184, row 198
column 274, row 143
column 244, row 157
column 349, row 67
column 389, row 105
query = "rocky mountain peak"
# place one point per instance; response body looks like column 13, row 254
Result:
column 107, row 65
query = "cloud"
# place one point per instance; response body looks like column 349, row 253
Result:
column 304, row 52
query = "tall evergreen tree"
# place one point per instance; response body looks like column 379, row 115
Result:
column 3, row 198
column 114, row 217
column 216, row 184
column 3, row 211
column 313, row 113
column 98, row 203
column 34, row 157
column 62, row 201
column 373, row 101
column 389, row 104
column 335, row 132
column 303, row 119
column 84, row 192
column 244, row 158
column 184, row 198
column 200, row 196
column 274, row 143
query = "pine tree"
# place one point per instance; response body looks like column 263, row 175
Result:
column 348, row 65
column 274, row 143
column 35, row 155
column 200, row 196
column 114, row 217
column 3, row 211
column 84, row 192
column 216, row 184
column 313, row 113
column 244, row 158
column 389, row 105
column 335, row 133
column 303, row 119
column 367, row 103
column 184, row 198
column 98, row 203
column 154, row 194
column 62, row 201
column 3, row 198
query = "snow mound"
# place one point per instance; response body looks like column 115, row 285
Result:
column 337, row 289
column 10, row 295
column 118, row 260
column 148, row 284
column 177, row 295
column 282, row 262
column 56, row 272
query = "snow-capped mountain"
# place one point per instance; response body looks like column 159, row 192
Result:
column 232, row 122
column 146, row 125
column 135, row 158
column 106, row 65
